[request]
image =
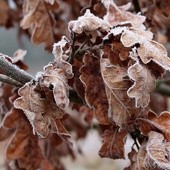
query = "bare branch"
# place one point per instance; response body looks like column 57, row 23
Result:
column 13, row 71
column 10, row 81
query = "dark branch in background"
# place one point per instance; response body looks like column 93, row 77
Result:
column 10, row 81
column 163, row 88
column 13, row 71
column 136, row 6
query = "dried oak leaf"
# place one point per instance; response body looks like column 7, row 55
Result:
column 158, row 151
column 144, row 84
column 137, row 158
column 113, row 144
column 132, row 36
column 38, row 111
column 159, row 123
column 61, row 52
column 4, row 12
column 149, row 50
column 37, row 19
column 95, row 95
column 88, row 23
column 121, row 107
column 24, row 148
column 53, row 76
column 115, row 15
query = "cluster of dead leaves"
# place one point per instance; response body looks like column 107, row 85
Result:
column 107, row 71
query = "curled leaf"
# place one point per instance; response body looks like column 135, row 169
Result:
column 144, row 84
column 53, row 76
column 34, row 107
column 37, row 19
column 149, row 50
column 61, row 52
column 157, row 156
column 115, row 15
column 88, row 22
column 153, row 51
column 133, row 36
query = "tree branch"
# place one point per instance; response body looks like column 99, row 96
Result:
column 10, row 81
column 163, row 88
column 13, row 71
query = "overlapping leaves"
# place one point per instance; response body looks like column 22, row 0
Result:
column 116, row 63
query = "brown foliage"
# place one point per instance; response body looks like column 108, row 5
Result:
column 106, row 70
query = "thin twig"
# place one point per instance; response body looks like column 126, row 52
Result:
column 13, row 71
column 10, row 81
column 136, row 6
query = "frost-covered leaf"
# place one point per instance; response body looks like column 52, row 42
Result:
column 121, row 107
column 53, row 76
column 158, row 151
column 37, row 20
column 116, row 15
column 88, row 23
column 144, row 84
column 113, row 144
column 61, row 52
column 153, row 51
column 133, row 36
column 148, row 50
column 159, row 123
column 37, row 109
column 137, row 158
column 95, row 95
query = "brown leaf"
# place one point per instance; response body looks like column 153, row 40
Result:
column 137, row 158
column 61, row 52
column 5, row 133
column 121, row 107
column 53, row 76
column 12, row 118
column 16, row 147
column 132, row 36
column 162, row 100
column 95, row 95
column 34, row 106
column 4, row 12
column 88, row 23
column 144, row 84
column 149, row 50
column 113, row 144
column 56, row 73
column 153, row 122
column 37, row 20
column 153, row 51
column 115, row 15
column 157, row 148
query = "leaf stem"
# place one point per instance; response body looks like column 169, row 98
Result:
column 13, row 71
